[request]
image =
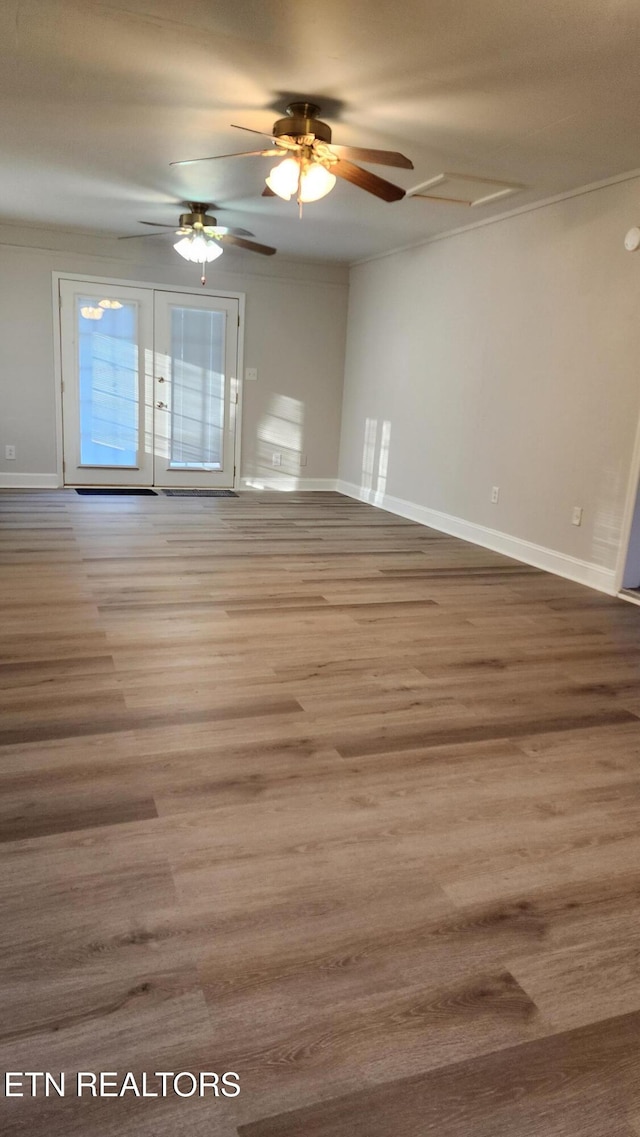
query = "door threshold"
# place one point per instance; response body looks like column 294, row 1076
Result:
column 114, row 491
column 199, row 492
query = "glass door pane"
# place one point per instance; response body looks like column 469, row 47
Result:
column 196, row 386
column 109, row 381
column 197, row 389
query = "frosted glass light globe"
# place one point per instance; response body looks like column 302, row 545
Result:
column 283, row 178
column 316, row 182
column 198, row 248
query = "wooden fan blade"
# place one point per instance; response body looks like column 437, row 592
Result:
column 282, row 143
column 253, row 246
column 214, row 157
column 268, row 192
column 225, row 231
column 367, row 181
column 138, row 236
column 378, row 157
column 251, row 130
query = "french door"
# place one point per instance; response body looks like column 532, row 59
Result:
column 149, row 386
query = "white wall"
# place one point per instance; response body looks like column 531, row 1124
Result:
column 507, row 355
column 294, row 335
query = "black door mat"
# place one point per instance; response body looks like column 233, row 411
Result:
column 199, row 493
column 112, row 492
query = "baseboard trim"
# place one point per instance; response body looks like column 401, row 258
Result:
column 29, row 481
column 284, row 482
column 287, row 483
column 622, row 595
column 571, row 568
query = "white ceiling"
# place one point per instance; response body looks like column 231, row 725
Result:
column 97, row 98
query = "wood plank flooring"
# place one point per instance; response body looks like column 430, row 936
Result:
column 299, row 789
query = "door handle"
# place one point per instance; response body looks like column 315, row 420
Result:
column 161, row 406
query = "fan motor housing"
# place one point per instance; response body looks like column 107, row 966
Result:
column 198, row 216
column 301, row 120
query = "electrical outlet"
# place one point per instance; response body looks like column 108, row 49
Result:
column 276, row 458
column 576, row 515
column 495, row 494
column 303, row 459
column 10, row 452
column 251, row 374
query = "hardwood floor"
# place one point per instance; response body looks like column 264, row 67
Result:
column 295, row 788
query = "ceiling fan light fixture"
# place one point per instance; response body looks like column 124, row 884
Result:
column 316, row 182
column 91, row 313
column 113, row 304
column 283, row 178
column 198, row 248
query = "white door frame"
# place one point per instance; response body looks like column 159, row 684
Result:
column 139, row 470
column 633, row 490
column 91, row 278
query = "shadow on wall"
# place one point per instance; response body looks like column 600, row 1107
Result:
column 279, row 445
column 375, row 460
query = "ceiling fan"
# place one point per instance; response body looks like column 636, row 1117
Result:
column 201, row 238
column 311, row 163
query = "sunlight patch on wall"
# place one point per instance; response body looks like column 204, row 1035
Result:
column 607, row 523
column 383, row 462
column 368, row 453
column 375, row 460
column 280, row 435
